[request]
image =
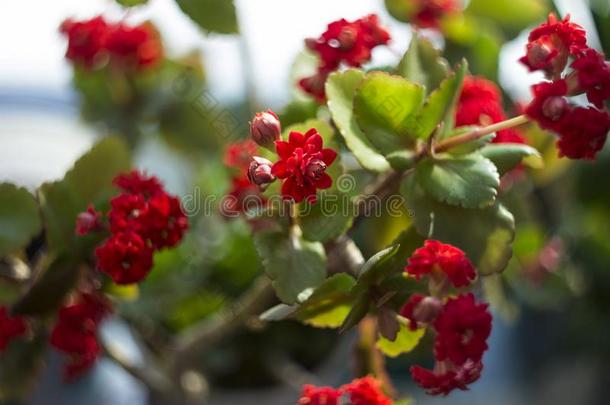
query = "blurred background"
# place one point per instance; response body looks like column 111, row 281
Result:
column 552, row 305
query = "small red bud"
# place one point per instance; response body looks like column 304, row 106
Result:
column 265, row 128
column 539, row 53
column 427, row 309
column 88, row 221
column 554, row 107
column 311, row 43
column 259, row 171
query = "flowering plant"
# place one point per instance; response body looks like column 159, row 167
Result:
column 424, row 157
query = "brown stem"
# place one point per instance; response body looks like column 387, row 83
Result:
column 479, row 133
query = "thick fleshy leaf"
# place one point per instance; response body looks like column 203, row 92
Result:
column 385, row 107
column 211, row 15
column 329, row 304
column 329, row 218
column 470, row 181
column 405, row 341
column 423, row 64
column 19, row 218
column 340, row 90
column 506, row 156
column 361, row 307
column 441, row 104
column 88, row 182
column 368, row 272
column 131, row 3
column 293, row 264
column 486, row 235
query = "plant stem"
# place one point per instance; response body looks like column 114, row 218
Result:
column 479, row 133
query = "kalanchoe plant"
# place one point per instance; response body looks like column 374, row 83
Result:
column 439, row 138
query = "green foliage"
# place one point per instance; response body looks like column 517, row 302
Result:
column 511, row 15
column 385, row 108
column 486, row 235
column 131, row 3
column 401, row 10
column 19, row 218
column 292, row 263
column 340, row 90
column 88, row 182
column 217, row 16
column 405, row 341
column 423, row 64
column 506, row 156
column 470, row 181
column 329, row 304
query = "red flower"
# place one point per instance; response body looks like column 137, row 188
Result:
column 302, row 165
column 137, row 47
column 136, row 182
column 243, row 196
column 348, row 42
column 583, row 133
column 240, row 154
column 88, row 221
column 445, row 378
column 430, row 12
column 593, row 73
column 312, row 395
column 442, row 259
column 550, row 44
column 75, row 332
column 125, row 257
column 462, row 329
column 314, row 85
column 164, row 221
column 127, row 212
column 365, row 391
column 10, row 327
column 420, row 309
column 480, row 103
column 549, row 105
column 86, row 40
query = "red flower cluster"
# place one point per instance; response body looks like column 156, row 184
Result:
column 440, row 261
column 75, row 332
column 143, row 218
column 302, row 165
column 582, row 130
column 428, row 13
column 462, row 328
column 363, row 391
column 93, row 42
column 480, row 103
column 345, row 42
column 243, row 195
column 550, row 45
column 10, row 327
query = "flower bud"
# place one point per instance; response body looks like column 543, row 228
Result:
column 427, row 309
column 539, row 53
column 88, row 221
column 265, row 128
column 347, row 38
column 315, row 168
column 554, row 107
column 259, row 171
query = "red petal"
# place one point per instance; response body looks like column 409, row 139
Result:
column 283, row 149
column 296, row 139
column 328, row 156
column 324, row 182
column 314, row 143
column 280, row 170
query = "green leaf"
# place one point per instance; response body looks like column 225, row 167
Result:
column 423, row 64
column 513, row 15
column 88, row 182
column 469, row 146
column 441, row 104
column 406, row 341
column 278, row 313
column 506, row 156
column 329, row 218
column 486, row 235
column 211, row 15
column 408, row 241
column 19, row 218
column 330, row 303
column 470, row 181
column 402, row 160
column 368, row 271
column 359, row 310
column 385, row 108
column 340, row 90
column 50, row 289
column 131, row 3
column 293, row 264
column 401, row 10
